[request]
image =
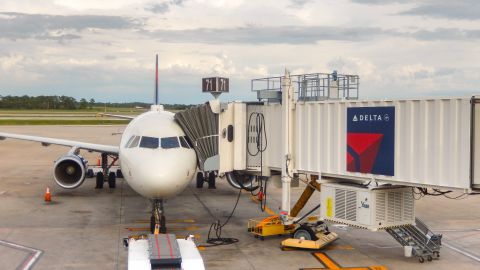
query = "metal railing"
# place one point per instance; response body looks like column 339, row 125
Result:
column 314, row 86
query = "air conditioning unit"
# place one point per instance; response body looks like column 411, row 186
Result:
column 371, row 208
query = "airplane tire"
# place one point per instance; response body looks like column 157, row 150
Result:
column 163, row 224
column 112, row 178
column 200, row 179
column 90, row 173
column 211, row 180
column 152, row 224
column 119, row 173
column 100, row 180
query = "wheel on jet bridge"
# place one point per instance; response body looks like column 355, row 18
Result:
column 200, row 179
column 211, row 180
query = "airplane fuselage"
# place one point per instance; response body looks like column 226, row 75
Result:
column 155, row 156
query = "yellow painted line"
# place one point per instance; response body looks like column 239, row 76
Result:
column 201, row 248
column 339, row 247
column 189, row 228
column 268, row 210
column 138, row 229
column 197, row 236
column 332, row 265
column 172, row 221
column 326, row 261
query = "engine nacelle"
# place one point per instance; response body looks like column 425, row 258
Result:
column 69, row 171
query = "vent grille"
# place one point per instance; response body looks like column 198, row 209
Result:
column 346, row 204
column 351, row 206
column 395, row 206
column 409, row 205
column 381, row 204
column 340, row 197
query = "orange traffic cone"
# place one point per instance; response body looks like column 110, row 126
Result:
column 48, row 195
column 98, row 161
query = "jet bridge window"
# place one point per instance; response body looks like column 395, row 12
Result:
column 133, row 142
column 149, row 142
column 169, row 142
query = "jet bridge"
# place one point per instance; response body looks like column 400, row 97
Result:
column 314, row 124
column 326, row 131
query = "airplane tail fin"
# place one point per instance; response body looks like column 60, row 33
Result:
column 156, row 81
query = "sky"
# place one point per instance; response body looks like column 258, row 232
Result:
column 106, row 49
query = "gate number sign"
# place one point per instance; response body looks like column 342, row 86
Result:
column 215, row 84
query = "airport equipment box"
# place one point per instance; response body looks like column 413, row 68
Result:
column 366, row 207
column 416, row 142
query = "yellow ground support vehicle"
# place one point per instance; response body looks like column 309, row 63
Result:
column 269, row 226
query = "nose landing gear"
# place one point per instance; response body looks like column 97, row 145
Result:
column 157, row 220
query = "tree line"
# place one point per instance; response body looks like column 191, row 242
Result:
column 69, row 103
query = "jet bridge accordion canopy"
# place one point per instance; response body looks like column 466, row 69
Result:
column 200, row 125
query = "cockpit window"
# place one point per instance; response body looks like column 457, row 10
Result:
column 149, row 142
column 184, row 142
column 129, row 141
column 169, row 142
column 134, row 142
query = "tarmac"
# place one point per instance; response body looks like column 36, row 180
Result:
column 84, row 228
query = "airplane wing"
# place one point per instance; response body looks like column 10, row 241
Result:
column 118, row 116
column 45, row 141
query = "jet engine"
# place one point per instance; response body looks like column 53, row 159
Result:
column 70, row 170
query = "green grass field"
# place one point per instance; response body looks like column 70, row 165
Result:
column 34, row 122
column 123, row 111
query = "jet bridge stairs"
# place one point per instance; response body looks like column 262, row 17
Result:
column 425, row 244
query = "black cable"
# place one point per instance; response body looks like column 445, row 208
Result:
column 436, row 192
column 217, row 227
column 261, row 142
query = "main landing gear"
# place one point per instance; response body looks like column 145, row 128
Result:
column 157, row 220
column 112, row 177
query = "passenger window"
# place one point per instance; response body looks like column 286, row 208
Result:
column 134, row 142
column 183, row 142
column 169, row 142
column 149, row 142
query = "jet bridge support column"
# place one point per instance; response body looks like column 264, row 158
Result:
column 287, row 139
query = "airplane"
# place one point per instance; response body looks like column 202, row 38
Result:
column 151, row 145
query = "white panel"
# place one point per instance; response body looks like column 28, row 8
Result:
column 432, row 140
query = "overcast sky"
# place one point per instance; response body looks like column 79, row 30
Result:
column 106, row 49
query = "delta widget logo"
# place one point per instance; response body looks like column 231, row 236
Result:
column 370, row 140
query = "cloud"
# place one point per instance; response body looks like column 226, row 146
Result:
column 446, row 34
column 164, row 7
column 380, row 2
column 303, row 34
column 300, row 3
column 459, row 9
column 267, row 35
column 56, row 27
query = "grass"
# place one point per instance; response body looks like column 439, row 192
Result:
column 36, row 122
column 126, row 111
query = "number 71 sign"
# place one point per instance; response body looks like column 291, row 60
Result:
column 215, row 85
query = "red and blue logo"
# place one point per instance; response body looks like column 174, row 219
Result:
column 371, row 139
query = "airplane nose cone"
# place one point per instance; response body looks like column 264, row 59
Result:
column 160, row 176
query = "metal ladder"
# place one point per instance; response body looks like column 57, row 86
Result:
column 425, row 244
